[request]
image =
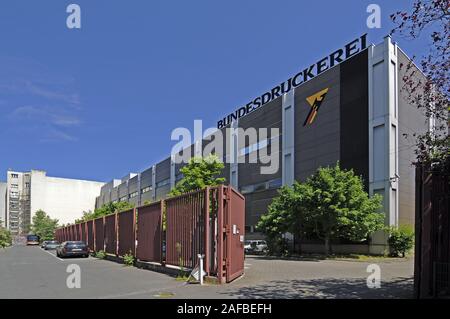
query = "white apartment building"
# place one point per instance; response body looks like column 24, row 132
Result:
column 2, row 204
column 61, row 198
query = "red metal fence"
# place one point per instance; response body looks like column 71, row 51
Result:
column 90, row 235
column 432, row 249
column 149, row 232
column 127, row 232
column 207, row 222
column 99, row 233
column 111, row 234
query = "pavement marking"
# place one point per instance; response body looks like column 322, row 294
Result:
column 48, row 252
column 61, row 259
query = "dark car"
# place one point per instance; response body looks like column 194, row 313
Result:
column 52, row 244
column 44, row 243
column 72, row 248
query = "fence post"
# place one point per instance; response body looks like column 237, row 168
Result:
column 104, row 233
column 134, row 231
column 117, row 232
column 94, row 237
column 162, row 238
column 220, row 234
column 207, row 238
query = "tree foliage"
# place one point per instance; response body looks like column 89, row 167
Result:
column 429, row 18
column 5, row 237
column 105, row 210
column 199, row 173
column 43, row 225
column 330, row 205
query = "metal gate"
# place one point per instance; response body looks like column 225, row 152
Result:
column 432, row 249
column 149, row 232
column 234, row 232
column 185, row 230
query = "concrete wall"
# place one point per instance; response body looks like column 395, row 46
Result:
column 63, row 199
column 410, row 120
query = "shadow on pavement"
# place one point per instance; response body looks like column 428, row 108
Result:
column 328, row 288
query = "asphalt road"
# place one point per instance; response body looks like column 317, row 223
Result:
column 30, row 272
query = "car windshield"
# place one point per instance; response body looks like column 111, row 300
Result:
column 75, row 243
column 52, row 242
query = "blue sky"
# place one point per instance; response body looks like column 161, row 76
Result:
column 102, row 101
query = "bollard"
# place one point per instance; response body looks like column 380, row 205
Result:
column 200, row 270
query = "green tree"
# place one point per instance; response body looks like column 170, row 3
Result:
column 199, row 173
column 5, row 236
column 105, row 210
column 331, row 204
column 43, row 225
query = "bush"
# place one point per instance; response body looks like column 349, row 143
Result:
column 100, row 254
column 401, row 240
column 5, row 237
column 128, row 259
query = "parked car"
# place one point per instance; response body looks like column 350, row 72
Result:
column 72, row 248
column 52, row 244
column 255, row 246
column 44, row 243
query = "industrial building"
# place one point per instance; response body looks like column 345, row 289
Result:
column 347, row 107
column 61, row 198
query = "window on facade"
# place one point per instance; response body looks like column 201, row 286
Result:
column 275, row 183
column 14, row 186
column 14, row 175
column 133, row 195
column 257, row 146
column 123, row 199
column 146, row 189
column 163, row 183
column 272, row 184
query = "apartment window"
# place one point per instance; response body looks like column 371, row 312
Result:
column 146, row 189
column 163, row 183
column 179, row 177
column 14, row 194
column 27, row 185
column 14, row 186
column 123, row 199
column 14, row 175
